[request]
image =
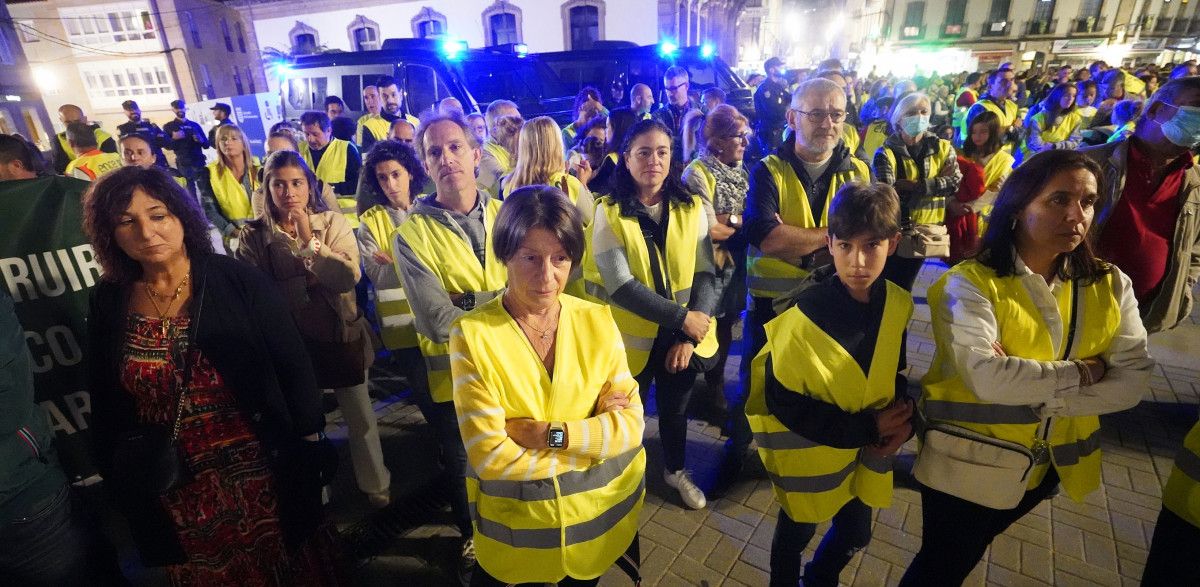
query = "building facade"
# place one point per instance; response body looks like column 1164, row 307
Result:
column 542, row 25
column 97, row 55
column 21, row 108
column 1033, row 33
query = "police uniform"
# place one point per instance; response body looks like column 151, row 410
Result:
column 771, row 102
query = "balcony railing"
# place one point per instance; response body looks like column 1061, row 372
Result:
column 912, row 32
column 999, row 28
column 1162, row 24
column 954, row 30
column 1087, row 25
column 1036, row 28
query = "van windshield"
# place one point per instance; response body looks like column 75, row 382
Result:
column 519, row 80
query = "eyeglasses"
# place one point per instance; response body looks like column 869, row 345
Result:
column 673, row 88
column 645, row 155
column 835, row 116
column 742, row 136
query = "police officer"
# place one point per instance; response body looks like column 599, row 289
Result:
column 771, row 105
column 141, row 126
column 188, row 140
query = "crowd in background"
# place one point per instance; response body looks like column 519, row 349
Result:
column 537, row 285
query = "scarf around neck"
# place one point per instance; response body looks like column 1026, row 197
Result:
column 732, row 184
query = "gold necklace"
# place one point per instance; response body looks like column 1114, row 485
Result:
column 542, row 334
column 162, row 314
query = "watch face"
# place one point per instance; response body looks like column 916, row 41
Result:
column 556, row 438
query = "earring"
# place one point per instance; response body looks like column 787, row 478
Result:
column 1014, row 223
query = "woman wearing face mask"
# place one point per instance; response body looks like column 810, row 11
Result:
column 227, row 187
column 1036, row 337
column 651, row 258
column 719, row 178
column 924, row 171
column 1055, row 126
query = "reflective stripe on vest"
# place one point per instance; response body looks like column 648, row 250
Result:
column 348, row 206
column 395, row 314
column 679, row 261
column 451, row 259
column 1182, row 493
column 768, row 276
column 94, row 164
column 230, row 194
column 569, row 483
column 1067, row 124
column 374, row 124
column 813, row 481
column 1074, row 450
column 931, row 209
column 555, row 538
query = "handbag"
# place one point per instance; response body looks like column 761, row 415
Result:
column 338, row 364
column 922, row 241
column 919, row 241
column 977, row 467
column 149, row 460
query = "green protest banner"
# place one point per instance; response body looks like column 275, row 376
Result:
column 47, row 265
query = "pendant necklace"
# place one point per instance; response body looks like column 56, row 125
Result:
column 162, row 313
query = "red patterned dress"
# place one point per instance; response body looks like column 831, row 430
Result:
column 226, row 517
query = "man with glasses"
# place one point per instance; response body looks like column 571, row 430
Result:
column 785, row 223
column 676, row 83
column 1148, row 219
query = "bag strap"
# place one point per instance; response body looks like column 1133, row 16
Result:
column 650, row 230
column 1074, row 319
column 189, row 354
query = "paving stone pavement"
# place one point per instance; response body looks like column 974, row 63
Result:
column 1101, row 541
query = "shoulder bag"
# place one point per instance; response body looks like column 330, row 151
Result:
column 919, row 241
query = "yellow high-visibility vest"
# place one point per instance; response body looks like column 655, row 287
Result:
column 503, row 158
column 768, row 276
column 331, row 170
column 395, row 313
column 1074, row 441
column 877, row 134
column 813, row 481
column 93, row 164
column 451, row 258
column 997, row 167
column 1182, row 493
column 678, row 262
column 100, row 135
column 850, row 137
column 375, row 124
column 1067, row 124
column 931, row 209
column 232, row 199
column 581, row 520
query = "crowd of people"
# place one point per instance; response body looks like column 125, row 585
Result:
column 538, row 285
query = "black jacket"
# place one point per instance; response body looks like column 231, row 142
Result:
column 246, row 331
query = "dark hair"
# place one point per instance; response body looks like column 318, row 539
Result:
column 537, row 206
column 284, row 125
column 433, row 117
column 81, row 134
column 389, row 150
column 18, row 148
column 998, row 248
column 719, row 93
column 872, row 209
column 280, row 159
column 287, row 135
column 582, row 97
column 318, row 118
column 334, row 100
column 1052, row 104
column 385, row 81
column 1126, row 111
column 343, row 128
column 625, row 189
column 599, row 121
column 109, row 197
column 995, row 139
column 995, row 74
column 621, row 119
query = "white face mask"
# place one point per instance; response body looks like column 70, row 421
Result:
column 915, row 125
column 1183, row 129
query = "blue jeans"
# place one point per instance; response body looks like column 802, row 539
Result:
column 48, row 547
column 454, row 460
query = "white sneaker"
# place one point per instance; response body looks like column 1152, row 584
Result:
column 681, row 481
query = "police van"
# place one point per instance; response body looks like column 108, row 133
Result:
column 427, row 71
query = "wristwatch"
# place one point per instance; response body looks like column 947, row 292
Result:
column 466, row 302
column 556, row 436
column 734, row 220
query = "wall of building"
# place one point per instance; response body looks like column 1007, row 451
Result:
column 543, row 30
column 21, row 108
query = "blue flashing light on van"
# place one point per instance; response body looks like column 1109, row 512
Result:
column 453, row 49
column 707, row 50
column 668, row 48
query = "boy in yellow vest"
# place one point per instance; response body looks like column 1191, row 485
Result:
column 828, row 405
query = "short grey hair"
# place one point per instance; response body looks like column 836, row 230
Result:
column 435, row 117
column 493, row 111
column 817, row 86
column 905, row 103
column 1168, row 93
